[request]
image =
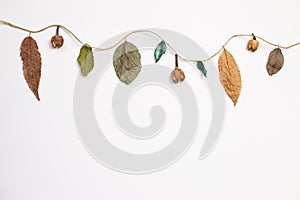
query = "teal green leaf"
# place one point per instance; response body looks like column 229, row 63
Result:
column 201, row 67
column 127, row 62
column 86, row 59
column 160, row 50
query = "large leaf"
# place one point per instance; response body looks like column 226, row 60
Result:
column 86, row 59
column 127, row 62
column 32, row 64
column 230, row 76
column 160, row 50
column 275, row 61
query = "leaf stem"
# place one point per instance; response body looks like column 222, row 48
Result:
column 57, row 30
column 176, row 60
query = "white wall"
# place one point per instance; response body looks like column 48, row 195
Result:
column 41, row 156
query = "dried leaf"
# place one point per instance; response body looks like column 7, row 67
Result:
column 160, row 50
column 201, row 67
column 230, row 75
column 275, row 61
column 127, row 62
column 86, row 59
column 32, row 64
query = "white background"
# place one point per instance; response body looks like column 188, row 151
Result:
column 41, row 156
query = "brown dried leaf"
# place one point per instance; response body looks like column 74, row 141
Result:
column 275, row 61
column 32, row 64
column 230, row 76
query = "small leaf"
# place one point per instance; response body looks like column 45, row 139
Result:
column 201, row 67
column 275, row 61
column 86, row 59
column 127, row 62
column 32, row 64
column 160, row 50
column 230, row 75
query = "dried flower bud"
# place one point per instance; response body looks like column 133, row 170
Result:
column 177, row 75
column 57, row 41
column 253, row 44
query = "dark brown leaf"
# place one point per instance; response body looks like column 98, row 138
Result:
column 32, row 64
column 275, row 61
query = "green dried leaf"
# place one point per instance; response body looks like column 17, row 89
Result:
column 86, row 59
column 201, row 67
column 127, row 62
column 275, row 61
column 160, row 50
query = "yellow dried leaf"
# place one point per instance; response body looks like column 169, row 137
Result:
column 230, row 76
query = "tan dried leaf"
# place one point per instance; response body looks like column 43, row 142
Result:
column 32, row 64
column 230, row 76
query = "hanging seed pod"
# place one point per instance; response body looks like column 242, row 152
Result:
column 275, row 61
column 253, row 44
column 177, row 74
column 57, row 41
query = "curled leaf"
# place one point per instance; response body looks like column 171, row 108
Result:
column 160, row 50
column 127, row 62
column 230, row 75
column 32, row 64
column 201, row 67
column 86, row 59
column 275, row 61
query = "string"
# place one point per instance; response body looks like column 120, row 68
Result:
column 68, row 31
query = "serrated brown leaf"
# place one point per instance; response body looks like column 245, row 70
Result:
column 32, row 64
column 275, row 61
column 230, row 76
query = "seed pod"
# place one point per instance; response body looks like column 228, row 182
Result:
column 57, row 41
column 253, row 44
column 177, row 74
